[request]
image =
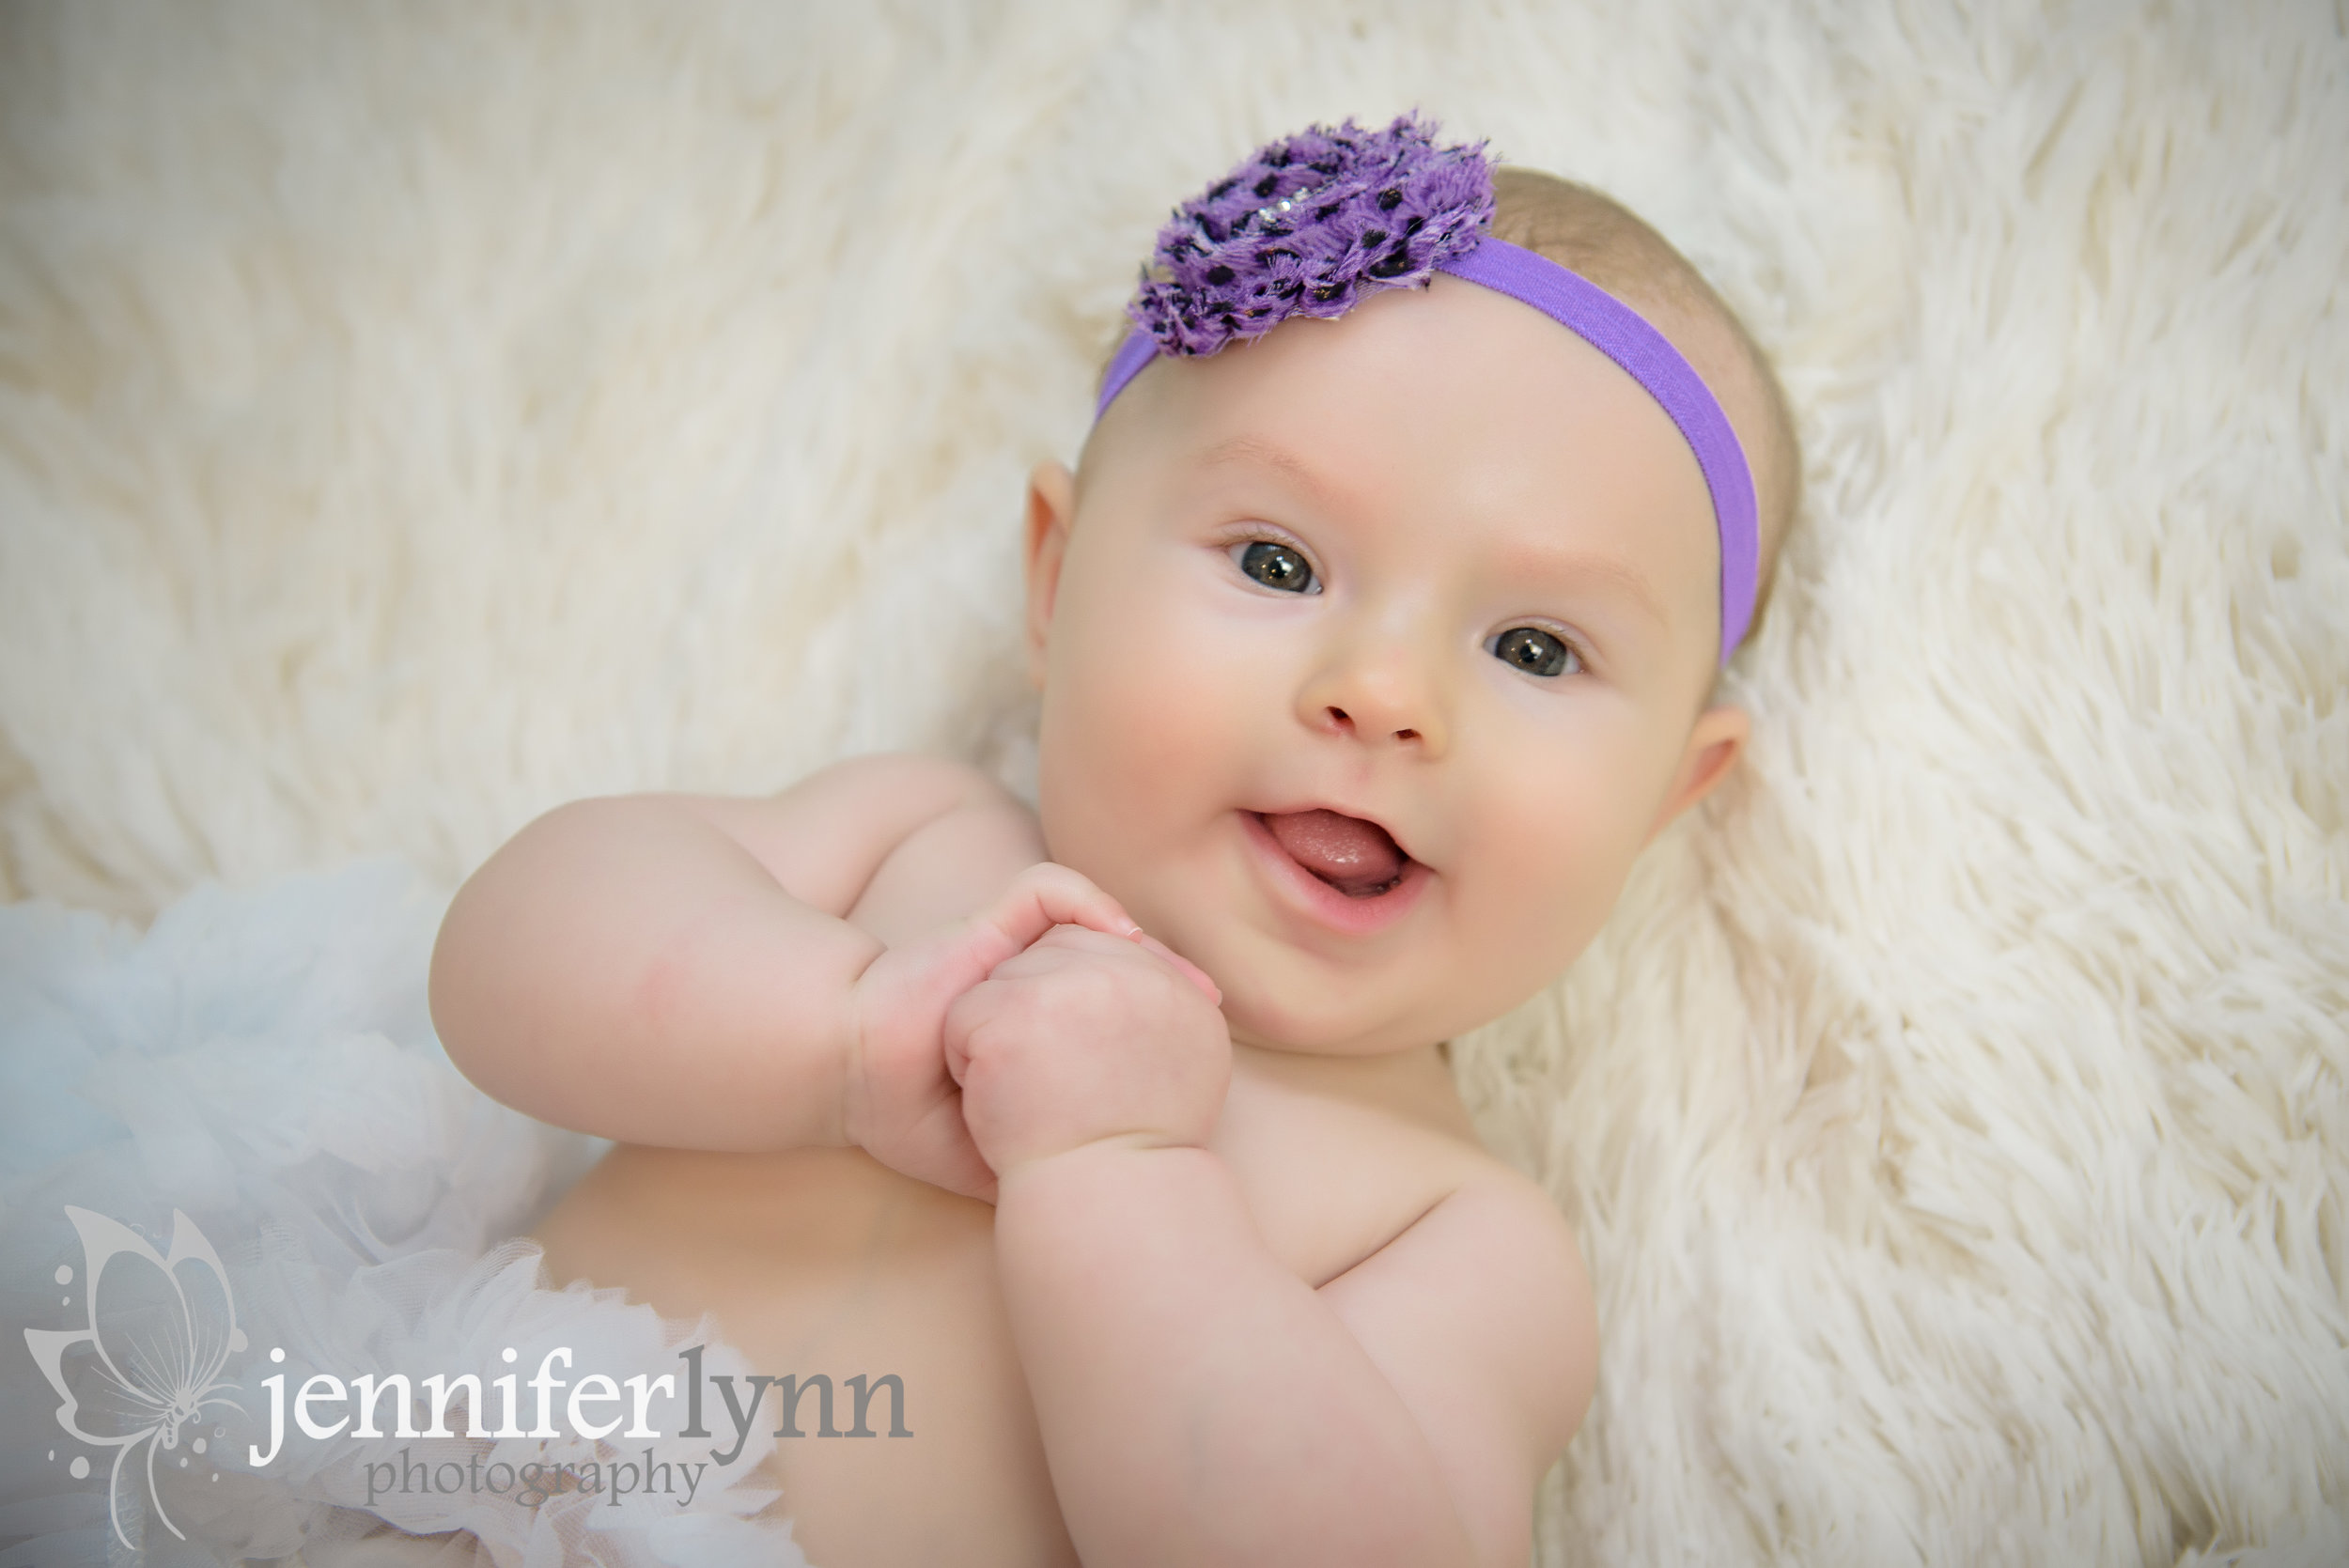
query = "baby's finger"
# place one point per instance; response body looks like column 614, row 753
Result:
column 1045, row 896
column 954, row 1033
column 1191, row 971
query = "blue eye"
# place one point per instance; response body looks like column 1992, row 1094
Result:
column 1275, row 566
column 1535, row 651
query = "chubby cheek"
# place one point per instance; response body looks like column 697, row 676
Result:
column 1136, row 737
column 1555, row 835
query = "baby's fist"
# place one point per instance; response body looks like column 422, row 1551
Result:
column 898, row 1101
column 1085, row 1037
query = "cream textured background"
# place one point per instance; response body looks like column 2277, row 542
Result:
column 414, row 417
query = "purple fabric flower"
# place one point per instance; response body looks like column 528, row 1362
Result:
column 1310, row 226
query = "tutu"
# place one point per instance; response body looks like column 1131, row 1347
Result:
column 235, row 1163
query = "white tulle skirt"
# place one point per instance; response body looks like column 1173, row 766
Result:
column 232, row 1151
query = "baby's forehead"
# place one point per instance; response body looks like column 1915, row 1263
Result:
column 1425, row 381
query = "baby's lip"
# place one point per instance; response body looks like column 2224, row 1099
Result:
column 1380, row 823
column 1341, row 811
column 1313, row 897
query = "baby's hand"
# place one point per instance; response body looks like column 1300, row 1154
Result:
column 899, row 1103
column 1085, row 1037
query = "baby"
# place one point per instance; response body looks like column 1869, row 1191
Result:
column 1373, row 649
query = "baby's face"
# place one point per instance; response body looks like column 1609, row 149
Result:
column 1439, row 566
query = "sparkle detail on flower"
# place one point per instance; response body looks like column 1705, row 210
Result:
column 160, row 1328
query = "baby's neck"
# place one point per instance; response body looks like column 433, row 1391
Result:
column 1414, row 1084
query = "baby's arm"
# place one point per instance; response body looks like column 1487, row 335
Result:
column 708, row 973
column 1198, row 1402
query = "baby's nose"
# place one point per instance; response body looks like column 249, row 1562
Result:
column 1342, row 721
column 1386, row 691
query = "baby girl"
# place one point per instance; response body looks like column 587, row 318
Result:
column 1377, row 631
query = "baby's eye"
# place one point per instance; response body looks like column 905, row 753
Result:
column 1535, row 651
column 1275, row 566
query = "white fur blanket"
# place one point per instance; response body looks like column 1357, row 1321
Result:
column 414, row 417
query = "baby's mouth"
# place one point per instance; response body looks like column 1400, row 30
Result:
column 1359, row 859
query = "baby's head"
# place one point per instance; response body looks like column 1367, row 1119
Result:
column 1376, row 647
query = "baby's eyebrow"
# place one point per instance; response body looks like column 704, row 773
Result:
column 1255, row 449
column 1534, row 562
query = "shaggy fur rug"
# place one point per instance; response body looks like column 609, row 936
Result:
column 412, row 417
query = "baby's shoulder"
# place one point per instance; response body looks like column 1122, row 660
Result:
column 1493, row 1221
column 1344, row 1159
column 903, row 785
column 1512, row 1218
column 1491, row 1283
column 827, row 837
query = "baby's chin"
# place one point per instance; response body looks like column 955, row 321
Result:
column 1283, row 1001
column 1267, row 1015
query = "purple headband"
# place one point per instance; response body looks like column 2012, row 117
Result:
column 1312, row 224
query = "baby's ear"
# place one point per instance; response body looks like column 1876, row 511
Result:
column 1052, row 506
column 1715, row 741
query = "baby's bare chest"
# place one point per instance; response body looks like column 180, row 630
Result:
column 822, row 1264
column 834, row 1237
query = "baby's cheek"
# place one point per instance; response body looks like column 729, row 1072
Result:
column 1146, row 695
column 1118, row 674
column 1112, row 743
column 1552, row 862
column 1111, row 764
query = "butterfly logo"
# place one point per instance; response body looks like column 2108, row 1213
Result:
column 160, row 1328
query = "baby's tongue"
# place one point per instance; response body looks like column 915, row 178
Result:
column 1351, row 855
